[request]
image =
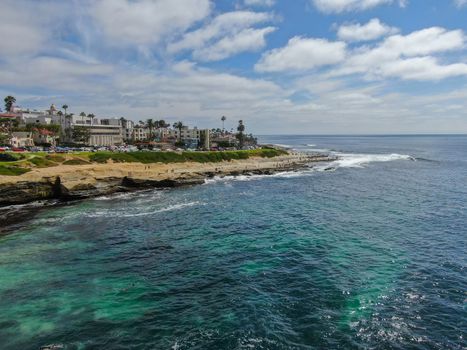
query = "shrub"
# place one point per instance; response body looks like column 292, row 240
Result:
column 41, row 162
column 12, row 170
column 76, row 161
column 55, row 158
column 172, row 157
column 7, row 157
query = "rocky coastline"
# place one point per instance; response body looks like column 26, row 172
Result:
column 51, row 186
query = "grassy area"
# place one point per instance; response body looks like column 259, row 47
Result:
column 76, row 161
column 12, row 170
column 172, row 157
column 16, row 164
column 42, row 162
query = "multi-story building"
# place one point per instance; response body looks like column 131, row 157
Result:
column 21, row 139
column 192, row 138
column 102, row 132
column 44, row 137
column 140, row 133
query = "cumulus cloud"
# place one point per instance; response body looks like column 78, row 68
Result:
column 25, row 27
column 422, row 68
column 398, row 54
column 227, row 34
column 245, row 40
column 146, row 22
column 302, row 54
column 460, row 3
column 338, row 6
column 372, row 30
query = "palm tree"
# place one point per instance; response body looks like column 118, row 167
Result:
column 179, row 126
column 9, row 102
column 91, row 117
column 82, row 115
column 65, row 107
column 240, row 136
column 224, row 118
column 150, row 125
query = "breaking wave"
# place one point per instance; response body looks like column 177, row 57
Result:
column 344, row 160
column 350, row 160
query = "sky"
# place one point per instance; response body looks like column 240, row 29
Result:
column 282, row 66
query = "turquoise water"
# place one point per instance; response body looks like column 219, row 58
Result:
column 367, row 252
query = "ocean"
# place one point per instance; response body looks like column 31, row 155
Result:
column 367, row 252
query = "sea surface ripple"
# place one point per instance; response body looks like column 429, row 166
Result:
column 367, row 252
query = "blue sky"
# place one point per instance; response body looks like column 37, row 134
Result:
column 285, row 67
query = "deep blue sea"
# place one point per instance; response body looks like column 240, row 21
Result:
column 368, row 252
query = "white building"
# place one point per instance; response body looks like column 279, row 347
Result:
column 21, row 139
column 102, row 132
column 37, row 119
column 192, row 137
column 140, row 133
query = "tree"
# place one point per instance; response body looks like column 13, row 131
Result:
column 9, row 102
column 224, row 118
column 82, row 115
column 240, row 134
column 161, row 124
column 65, row 107
column 150, row 125
column 91, row 117
column 81, row 134
column 179, row 126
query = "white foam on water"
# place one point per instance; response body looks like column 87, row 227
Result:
column 124, row 214
column 355, row 160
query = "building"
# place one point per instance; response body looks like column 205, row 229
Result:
column 140, row 133
column 21, row 139
column 44, row 137
column 192, row 138
column 39, row 119
column 102, row 132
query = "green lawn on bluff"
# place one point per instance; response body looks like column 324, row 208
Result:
column 13, row 164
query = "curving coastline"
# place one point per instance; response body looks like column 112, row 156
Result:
column 73, row 182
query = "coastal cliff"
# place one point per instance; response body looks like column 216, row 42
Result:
column 71, row 182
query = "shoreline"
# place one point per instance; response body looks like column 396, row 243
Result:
column 22, row 195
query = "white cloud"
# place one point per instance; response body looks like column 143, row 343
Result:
column 372, row 30
column 460, row 3
column 55, row 73
column 267, row 3
column 25, row 27
column 246, row 40
column 302, row 54
column 389, row 58
column 146, row 22
column 338, row 6
column 228, row 34
column 422, row 68
column 426, row 41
